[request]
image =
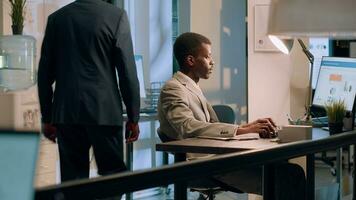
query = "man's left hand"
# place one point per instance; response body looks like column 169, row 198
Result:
column 132, row 132
column 49, row 131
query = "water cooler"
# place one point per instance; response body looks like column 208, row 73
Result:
column 19, row 108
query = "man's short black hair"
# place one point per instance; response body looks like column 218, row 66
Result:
column 188, row 44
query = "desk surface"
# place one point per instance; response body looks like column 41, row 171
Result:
column 210, row 146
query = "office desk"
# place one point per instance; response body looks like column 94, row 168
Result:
column 197, row 145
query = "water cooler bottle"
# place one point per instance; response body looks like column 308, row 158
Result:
column 18, row 100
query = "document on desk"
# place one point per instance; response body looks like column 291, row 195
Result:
column 244, row 137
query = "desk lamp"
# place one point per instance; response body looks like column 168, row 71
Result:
column 285, row 45
column 291, row 19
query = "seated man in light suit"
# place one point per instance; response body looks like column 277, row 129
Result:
column 184, row 112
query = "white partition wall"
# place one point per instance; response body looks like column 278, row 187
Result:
column 273, row 77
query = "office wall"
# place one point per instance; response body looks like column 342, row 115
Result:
column 268, row 77
column 277, row 83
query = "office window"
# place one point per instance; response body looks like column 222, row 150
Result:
column 175, row 30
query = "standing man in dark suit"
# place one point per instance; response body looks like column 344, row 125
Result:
column 86, row 45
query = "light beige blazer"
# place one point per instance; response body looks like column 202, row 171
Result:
column 184, row 112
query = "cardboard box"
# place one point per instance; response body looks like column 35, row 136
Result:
column 292, row 133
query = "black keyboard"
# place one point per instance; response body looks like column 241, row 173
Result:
column 320, row 121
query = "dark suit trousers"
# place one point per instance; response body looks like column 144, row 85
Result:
column 74, row 142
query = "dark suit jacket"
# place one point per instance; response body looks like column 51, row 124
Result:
column 84, row 43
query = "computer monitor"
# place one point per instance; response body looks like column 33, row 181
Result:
column 18, row 153
column 336, row 81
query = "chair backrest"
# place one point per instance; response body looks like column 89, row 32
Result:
column 225, row 113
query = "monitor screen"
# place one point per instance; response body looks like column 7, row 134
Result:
column 18, row 153
column 336, row 81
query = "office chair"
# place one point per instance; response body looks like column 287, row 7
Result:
column 208, row 193
column 227, row 115
column 207, row 190
column 329, row 160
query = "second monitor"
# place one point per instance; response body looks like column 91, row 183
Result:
column 336, row 81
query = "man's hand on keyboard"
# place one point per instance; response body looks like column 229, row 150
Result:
column 265, row 127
